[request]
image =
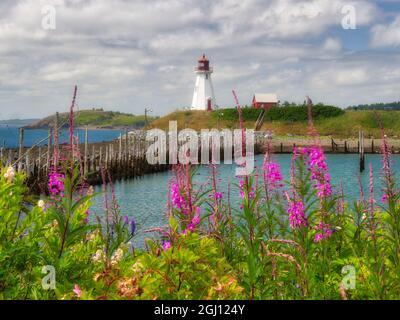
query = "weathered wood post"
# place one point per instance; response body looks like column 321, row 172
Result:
column 372, row 146
column 20, row 150
column 361, row 151
column 100, row 157
column 120, row 147
column 85, row 164
column 126, row 156
column 107, row 153
column 27, row 164
column 39, row 164
column 48, row 151
column 93, row 159
column 9, row 161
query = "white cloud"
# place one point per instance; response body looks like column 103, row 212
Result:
column 130, row 54
column 386, row 35
column 332, row 45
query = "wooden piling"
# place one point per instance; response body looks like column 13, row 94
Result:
column 20, row 149
column 85, row 164
column 48, row 151
column 361, row 151
column 39, row 162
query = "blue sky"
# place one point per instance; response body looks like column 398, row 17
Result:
column 128, row 55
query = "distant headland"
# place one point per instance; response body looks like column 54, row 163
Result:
column 94, row 119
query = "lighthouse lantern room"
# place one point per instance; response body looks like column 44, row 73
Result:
column 203, row 96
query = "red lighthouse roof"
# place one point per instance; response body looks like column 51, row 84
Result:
column 203, row 58
column 203, row 64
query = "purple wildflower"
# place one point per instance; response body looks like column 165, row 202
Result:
column 319, row 171
column 56, row 184
column 77, row 291
column 178, row 200
column 325, row 232
column 297, row 218
column 218, row 195
column 272, row 176
column 195, row 221
column 133, row 227
column 388, row 190
column 166, row 245
column 242, row 194
column 125, row 219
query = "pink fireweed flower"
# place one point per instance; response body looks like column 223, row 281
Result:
column 56, row 184
column 324, row 188
column 77, row 291
column 388, row 182
column 218, row 195
column 178, row 200
column 297, row 218
column 371, row 189
column 195, row 221
column 325, row 232
column 316, row 158
column 166, row 245
column 196, row 218
column 273, row 176
column 242, row 194
column 319, row 171
column 299, row 151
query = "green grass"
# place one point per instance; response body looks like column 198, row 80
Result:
column 97, row 118
column 345, row 125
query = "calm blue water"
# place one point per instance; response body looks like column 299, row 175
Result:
column 10, row 136
column 145, row 198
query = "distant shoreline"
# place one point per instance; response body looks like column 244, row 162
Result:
column 81, row 128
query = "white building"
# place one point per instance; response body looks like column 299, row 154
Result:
column 203, row 96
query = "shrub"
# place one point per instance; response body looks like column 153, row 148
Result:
column 290, row 113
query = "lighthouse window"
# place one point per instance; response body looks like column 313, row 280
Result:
column 206, row 76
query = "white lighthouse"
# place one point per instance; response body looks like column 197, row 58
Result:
column 203, row 96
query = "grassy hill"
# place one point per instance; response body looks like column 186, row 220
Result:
column 345, row 125
column 96, row 118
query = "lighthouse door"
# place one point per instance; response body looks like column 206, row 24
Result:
column 209, row 107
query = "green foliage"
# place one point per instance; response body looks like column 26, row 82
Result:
column 290, row 113
column 192, row 269
column 98, row 118
column 377, row 106
column 250, row 252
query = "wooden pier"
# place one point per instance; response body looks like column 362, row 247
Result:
column 125, row 157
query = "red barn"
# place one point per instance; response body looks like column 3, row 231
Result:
column 265, row 100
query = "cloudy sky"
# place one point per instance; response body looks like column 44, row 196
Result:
column 130, row 54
